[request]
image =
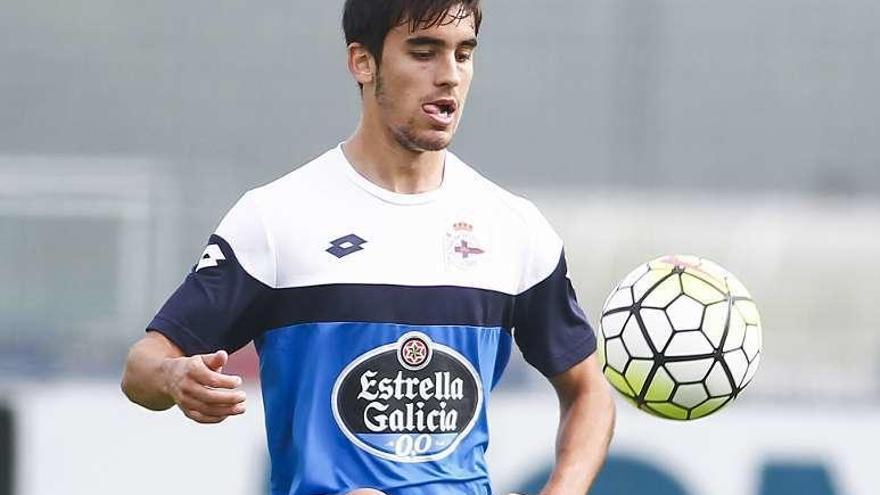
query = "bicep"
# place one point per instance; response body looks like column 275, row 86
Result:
column 582, row 378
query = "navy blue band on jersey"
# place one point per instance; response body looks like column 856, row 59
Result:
column 377, row 303
column 550, row 327
column 221, row 306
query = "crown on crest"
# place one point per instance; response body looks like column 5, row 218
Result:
column 463, row 226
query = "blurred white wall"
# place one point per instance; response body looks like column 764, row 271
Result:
column 84, row 438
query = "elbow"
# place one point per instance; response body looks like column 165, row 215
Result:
column 612, row 410
column 135, row 388
column 610, row 413
column 131, row 392
column 127, row 384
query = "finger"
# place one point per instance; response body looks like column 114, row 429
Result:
column 214, row 396
column 221, row 411
column 204, row 375
column 202, row 418
column 215, row 361
column 190, row 404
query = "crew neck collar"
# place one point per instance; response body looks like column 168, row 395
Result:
column 391, row 196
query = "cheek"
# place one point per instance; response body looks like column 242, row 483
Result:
column 402, row 88
column 465, row 85
column 467, row 75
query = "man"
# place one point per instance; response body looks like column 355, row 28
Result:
column 382, row 284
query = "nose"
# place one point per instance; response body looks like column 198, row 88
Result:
column 448, row 71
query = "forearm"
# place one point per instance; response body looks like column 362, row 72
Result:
column 585, row 428
column 143, row 380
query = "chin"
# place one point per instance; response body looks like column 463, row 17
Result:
column 427, row 141
column 435, row 145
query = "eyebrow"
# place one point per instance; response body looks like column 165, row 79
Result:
column 437, row 42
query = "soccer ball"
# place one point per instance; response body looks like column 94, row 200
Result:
column 680, row 337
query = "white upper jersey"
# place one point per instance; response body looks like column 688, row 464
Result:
column 280, row 231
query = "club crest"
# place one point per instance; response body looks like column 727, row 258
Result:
column 463, row 248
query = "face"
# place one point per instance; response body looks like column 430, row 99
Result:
column 423, row 82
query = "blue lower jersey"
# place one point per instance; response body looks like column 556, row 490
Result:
column 379, row 405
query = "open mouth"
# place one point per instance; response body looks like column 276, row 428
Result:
column 441, row 110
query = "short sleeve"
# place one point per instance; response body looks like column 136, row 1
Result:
column 550, row 328
column 221, row 303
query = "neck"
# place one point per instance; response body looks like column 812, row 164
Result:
column 384, row 162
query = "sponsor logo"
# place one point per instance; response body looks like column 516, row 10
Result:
column 346, row 245
column 463, row 247
column 211, row 257
column 409, row 401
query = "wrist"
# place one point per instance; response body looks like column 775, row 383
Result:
column 166, row 373
column 567, row 479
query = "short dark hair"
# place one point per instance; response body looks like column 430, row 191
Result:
column 368, row 21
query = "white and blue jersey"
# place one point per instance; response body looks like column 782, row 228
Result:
column 382, row 321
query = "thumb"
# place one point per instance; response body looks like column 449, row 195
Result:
column 215, row 361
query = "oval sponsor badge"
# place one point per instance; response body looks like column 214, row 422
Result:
column 409, row 401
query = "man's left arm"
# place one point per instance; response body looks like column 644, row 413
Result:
column 586, row 424
column 553, row 333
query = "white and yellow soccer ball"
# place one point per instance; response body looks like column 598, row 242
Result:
column 680, row 337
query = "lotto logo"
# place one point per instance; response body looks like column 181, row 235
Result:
column 211, row 257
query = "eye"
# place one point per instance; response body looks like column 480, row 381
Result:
column 463, row 56
column 422, row 55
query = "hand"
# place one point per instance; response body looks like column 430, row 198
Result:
column 201, row 390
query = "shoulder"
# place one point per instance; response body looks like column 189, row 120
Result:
column 248, row 227
column 292, row 191
column 541, row 245
column 301, row 184
column 517, row 208
column 477, row 185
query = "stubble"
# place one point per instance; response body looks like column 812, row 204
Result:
column 405, row 134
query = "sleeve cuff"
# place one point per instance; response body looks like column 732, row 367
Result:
column 578, row 351
column 182, row 337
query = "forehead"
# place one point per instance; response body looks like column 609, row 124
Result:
column 452, row 29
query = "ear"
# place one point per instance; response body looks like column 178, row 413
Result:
column 361, row 64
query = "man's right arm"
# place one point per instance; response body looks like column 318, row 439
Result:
column 158, row 375
column 219, row 307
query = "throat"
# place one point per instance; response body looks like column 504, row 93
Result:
column 395, row 169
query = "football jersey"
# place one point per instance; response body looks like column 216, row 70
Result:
column 382, row 321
